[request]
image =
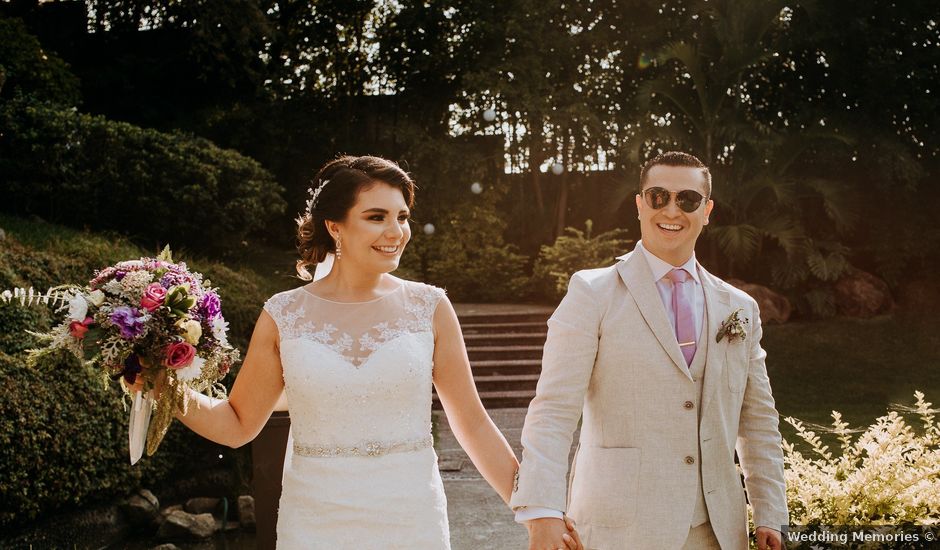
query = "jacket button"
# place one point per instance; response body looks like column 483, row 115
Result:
column 689, row 460
column 688, row 404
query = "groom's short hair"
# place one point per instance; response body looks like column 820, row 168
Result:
column 676, row 158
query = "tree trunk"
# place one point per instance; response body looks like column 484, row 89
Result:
column 535, row 159
column 562, row 212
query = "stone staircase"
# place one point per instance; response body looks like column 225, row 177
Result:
column 505, row 350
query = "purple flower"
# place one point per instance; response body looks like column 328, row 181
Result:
column 120, row 275
column 174, row 278
column 129, row 320
column 210, row 306
column 132, row 368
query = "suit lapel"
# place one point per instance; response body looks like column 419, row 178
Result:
column 717, row 309
column 636, row 274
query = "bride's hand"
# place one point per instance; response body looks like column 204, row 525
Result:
column 574, row 540
column 138, row 385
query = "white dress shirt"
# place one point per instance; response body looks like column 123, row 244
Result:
column 660, row 268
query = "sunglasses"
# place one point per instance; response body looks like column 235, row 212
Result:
column 687, row 201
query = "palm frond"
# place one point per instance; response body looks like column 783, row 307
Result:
column 786, row 272
column 786, row 232
column 739, row 241
column 837, row 202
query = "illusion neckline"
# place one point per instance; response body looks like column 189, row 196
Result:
column 372, row 301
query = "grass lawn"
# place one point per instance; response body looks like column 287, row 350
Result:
column 858, row 367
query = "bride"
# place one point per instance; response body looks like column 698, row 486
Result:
column 357, row 352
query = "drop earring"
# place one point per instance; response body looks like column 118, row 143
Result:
column 339, row 249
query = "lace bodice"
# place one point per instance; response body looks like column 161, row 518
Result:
column 357, row 372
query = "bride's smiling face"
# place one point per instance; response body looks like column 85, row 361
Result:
column 375, row 230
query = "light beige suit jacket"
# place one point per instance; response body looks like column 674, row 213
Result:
column 612, row 355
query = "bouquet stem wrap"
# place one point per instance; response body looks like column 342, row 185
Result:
column 139, row 423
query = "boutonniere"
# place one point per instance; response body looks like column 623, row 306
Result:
column 733, row 327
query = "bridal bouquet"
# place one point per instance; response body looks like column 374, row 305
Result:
column 148, row 319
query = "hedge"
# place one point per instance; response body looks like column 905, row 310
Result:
column 88, row 171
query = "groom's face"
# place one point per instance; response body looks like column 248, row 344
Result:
column 670, row 232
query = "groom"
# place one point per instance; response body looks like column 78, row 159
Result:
column 663, row 359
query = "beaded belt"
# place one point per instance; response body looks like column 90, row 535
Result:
column 368, row 448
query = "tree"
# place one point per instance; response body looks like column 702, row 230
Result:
column 26, row 69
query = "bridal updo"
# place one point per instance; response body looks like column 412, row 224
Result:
column 345, row 177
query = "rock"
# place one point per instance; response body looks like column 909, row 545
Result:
column 183, row 525
column 246, row 511
column 861, row 294
column 167, row 546
column 169, row 510
column 202, row 505
column 3, row 235
column 774, row 307
column 229, row 525
column 142, row 508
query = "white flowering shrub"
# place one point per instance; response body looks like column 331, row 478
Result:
column 888, row 475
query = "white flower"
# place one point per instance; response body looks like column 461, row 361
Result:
column 135, row 283
column 192, row 330
column 192, row 371
column 112, row 287
column 78, row 308
column 220, row 330
column 96, row 297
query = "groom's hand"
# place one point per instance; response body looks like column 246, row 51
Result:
column 553, row 534
column 768, row 539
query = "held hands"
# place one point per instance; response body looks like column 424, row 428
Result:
column 768, row 539
column 553, row 534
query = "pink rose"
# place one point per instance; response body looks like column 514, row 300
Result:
column 78, row 329
column 179, row 355
column 153, row 297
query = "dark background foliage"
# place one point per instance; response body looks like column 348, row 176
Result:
column 816, row 117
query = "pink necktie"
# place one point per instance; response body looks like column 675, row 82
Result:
column 682, row 307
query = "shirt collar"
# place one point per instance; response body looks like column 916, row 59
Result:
column 660, row 268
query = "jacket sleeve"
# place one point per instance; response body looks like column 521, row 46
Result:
column 759, row 442
column 567, row 364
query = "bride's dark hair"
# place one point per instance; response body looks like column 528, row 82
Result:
column 346, row 176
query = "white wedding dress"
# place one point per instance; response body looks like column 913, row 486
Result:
column 362, row 472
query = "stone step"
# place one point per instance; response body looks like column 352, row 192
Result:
column 502, row 328
column 499, row 399
column 506, row 367
column 489, row 353
column 467, row 318
column 508, row 339
column 505, row 382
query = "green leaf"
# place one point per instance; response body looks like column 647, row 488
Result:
column 166, row 255
column 740, row 241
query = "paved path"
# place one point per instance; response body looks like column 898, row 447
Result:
column 478, row 517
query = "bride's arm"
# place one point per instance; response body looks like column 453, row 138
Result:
column 238, row 419
column 474, row 429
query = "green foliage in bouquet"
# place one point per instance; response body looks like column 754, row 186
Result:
column 573, row 251
column 887, row 475
column 88, row 171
